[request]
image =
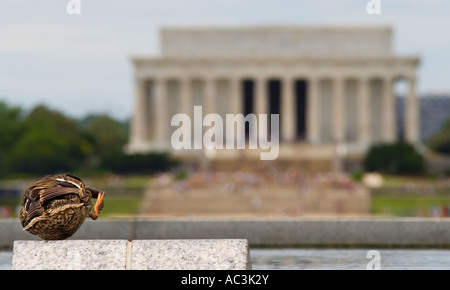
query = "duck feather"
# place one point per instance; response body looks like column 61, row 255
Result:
column 55, row 206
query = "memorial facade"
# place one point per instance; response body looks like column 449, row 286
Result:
column 331, row 86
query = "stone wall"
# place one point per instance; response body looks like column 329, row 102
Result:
column 261, row 232
column 275, row 41
column 178, row 254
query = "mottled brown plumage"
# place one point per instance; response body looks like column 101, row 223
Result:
column 55, row 206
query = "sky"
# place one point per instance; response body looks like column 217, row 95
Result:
column 80, row 64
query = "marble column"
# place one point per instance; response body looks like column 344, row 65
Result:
column 288, row 110
column 185, row 97
column 338, row 110
column 161, row 129
column 210, row 96
column 411, row 121
column 363, row 112
column 186, row 103
column 235, row 96
column 236, row 106
column 388, row 114
column 312, row 114
column 139, row 128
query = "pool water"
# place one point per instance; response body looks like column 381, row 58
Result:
column 350, row 259
column 332, row 259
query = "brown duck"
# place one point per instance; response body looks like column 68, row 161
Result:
column 55, row 206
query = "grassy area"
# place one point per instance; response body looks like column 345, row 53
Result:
column 408, row 206
column 121, row 207
column 411, row 196
column 124, row 194
column 400, row 180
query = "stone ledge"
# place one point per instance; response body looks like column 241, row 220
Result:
column 261, row 232
column 223, row 254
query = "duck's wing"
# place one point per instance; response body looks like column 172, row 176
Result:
column 42, row 191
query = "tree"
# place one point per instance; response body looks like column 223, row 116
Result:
column 45, row 141
column 139, row 163
column 109, row 136
column 395, row 158
column 10, row 125
column 440, row 142
column 50, row 142
column 10, row 129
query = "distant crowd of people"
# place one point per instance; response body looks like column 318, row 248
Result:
column 242, row 180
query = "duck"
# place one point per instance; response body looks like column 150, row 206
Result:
column 55, row 206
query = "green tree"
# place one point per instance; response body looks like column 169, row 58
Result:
column 10, row 130
column 395, row 158
column 45, row 141
column 50, row 142
column 109, row 135
column 440, row 142
column 139, row 163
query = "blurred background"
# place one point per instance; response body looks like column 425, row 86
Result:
column 70, row 89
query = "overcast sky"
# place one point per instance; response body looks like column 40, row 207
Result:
column 80, row 64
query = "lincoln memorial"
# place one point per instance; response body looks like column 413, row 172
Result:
column 333, row 88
